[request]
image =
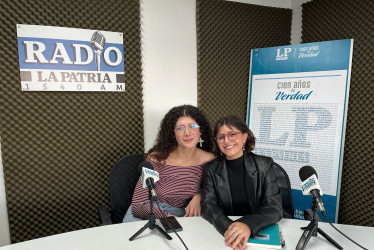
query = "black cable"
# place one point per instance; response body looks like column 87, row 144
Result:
column 324, row 215
column 163, row 215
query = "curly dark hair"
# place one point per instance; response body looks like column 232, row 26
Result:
column 166, row 141
column 234, row 121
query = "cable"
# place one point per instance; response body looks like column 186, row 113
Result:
column 324, row 215
column 163, row 215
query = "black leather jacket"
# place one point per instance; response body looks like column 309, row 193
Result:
column 264, row 195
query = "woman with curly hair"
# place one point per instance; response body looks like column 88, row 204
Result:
column 239, row 183
column 182, row 147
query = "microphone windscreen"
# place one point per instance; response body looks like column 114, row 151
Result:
column 306, row 171
column 145, row 164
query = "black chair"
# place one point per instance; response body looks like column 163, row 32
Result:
column 285, row 186
column 123, row 178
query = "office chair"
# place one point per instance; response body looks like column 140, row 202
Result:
column 123, row 178
column 285, row 186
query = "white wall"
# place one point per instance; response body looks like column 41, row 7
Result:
column 296, row 20
column 4, row 225
column 168, row 32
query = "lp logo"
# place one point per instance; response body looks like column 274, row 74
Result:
column 284, row 55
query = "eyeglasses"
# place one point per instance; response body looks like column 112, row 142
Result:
column 232, row 135
column 192, row 127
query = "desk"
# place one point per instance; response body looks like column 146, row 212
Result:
column 197, row 234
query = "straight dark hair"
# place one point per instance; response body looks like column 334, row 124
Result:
column 233, row 121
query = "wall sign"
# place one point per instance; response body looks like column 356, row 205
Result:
column 297, row 109
column 69, row 59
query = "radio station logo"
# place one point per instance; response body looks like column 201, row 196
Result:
column 310, row 182
column 151, row 172
column 70, row 59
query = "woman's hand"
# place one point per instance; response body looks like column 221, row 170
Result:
column 237, row 235
column 194, row 208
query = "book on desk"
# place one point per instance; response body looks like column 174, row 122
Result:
column 269, row 237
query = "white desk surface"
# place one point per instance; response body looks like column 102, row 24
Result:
column 197, row 234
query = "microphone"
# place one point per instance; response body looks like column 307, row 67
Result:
column 149, row 177
column 98, row 43
column 310, row 186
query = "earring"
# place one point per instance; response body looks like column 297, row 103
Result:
column 201, row 142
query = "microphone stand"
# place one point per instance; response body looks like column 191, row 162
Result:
column 151, row 224
column 312, row 230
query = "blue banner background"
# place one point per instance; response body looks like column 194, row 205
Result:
column 332, row 55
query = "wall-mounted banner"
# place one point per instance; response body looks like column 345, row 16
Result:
column 297, row 109
column 69, row 59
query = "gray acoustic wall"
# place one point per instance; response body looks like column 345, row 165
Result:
column 226, row 33
column 325, row 20
column 58, row 147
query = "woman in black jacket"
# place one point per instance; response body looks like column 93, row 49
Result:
column 239, row 183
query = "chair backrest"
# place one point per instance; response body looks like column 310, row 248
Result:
column 285, row 186
column 123, row 178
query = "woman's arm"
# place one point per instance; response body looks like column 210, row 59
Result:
column 193, row 208
column 211, row 210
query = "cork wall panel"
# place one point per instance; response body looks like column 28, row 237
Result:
column 324, row 20
column 58, row 147
column 226, row 33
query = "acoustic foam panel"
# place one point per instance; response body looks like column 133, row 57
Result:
column 226, row 33
column 325, row 20
column 58, row 147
